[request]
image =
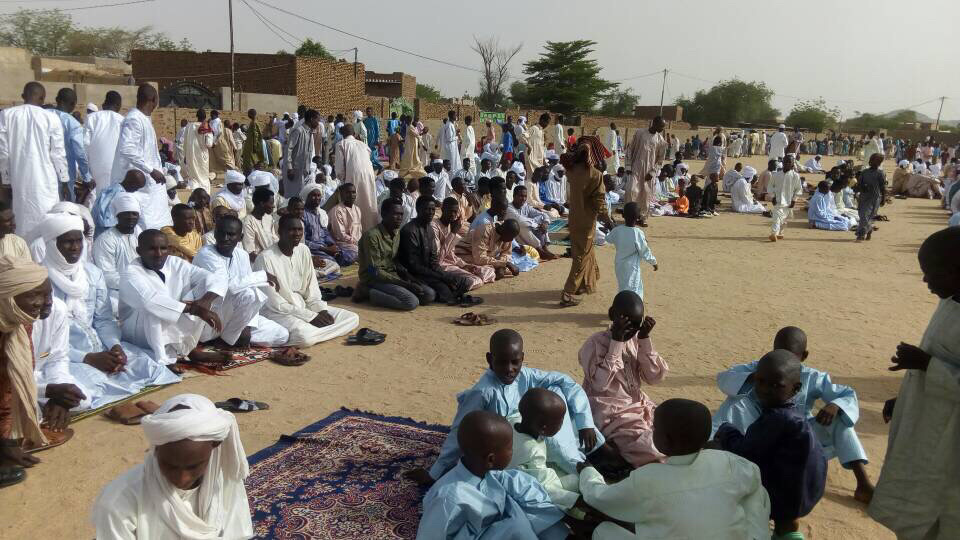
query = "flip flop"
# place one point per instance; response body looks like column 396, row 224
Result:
column 54, row 439
column 469, row 301
column 474, row 319
column 366, row 336
column 237, row 405
column 128, row 414
column 289, row 356
column 12, row 475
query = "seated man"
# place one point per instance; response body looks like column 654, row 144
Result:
column 533, row 223
column 116, row 247
column 11, row 245
column 469, row 203
column 345, row 224
column 165, row 302
column 383, row 279
column 190, row 484
column 741, row 196
column 466, row 174
column 103, row 367
column 183, row 238
column 208, row 238
column 490, row 244
column 821, row 211
column 324, row 263
column 239, row 310
column 837, row 191
column 439, row 172
column 730, row 177
column 553, row 190
column 232, row 194
column 316, row 223
column 418, row 254
column 297, row 304
column 813, row 165
column 258, row 229
column 446, row 234
column 103, row 217
column 397, row 190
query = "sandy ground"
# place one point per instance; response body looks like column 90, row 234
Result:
column 721, row 293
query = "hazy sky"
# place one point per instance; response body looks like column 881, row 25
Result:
column 838, row 49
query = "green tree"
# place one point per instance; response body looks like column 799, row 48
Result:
column 313, row 48
column 428, row 92
column 813, row 115
column 564, row 79
column 518, row 93
column 42, row 32
column 730, row 102
column 619, row 103
column 867, row 121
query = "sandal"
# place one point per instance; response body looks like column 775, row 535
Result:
column 343, row 292
column 130, row 414
column 466, row 301
column 289, row 356
column 54, row 439
column 568, row 300
column 366, row 336
column 237, row 405
column 473, row 319
column 12, row 475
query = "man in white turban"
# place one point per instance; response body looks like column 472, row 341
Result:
column 190, row 484
column 742, row 196
column 116, row 247
column 232, row 195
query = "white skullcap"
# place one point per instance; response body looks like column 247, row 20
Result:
column 749, row 172
column 903, row 163
column 781, row 126
column 171, row 182
column 357, row 115
column 125, row 202
column 53, row 225
column 517, row 167
column 92, row 108
column 260, row 178
column 234, row 177
column 552, row 154
column 389, row 175
column 683, row 166
column 440, row 161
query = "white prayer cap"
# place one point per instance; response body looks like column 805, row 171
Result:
column 903, row 163
column 683, row 167
column 234, row 177
column 781, row 126
column 92, row 108
column 552, row 154
column 389, row 175
column 357, row 115
column 125, row 202
column 488, row 156
column 749, row 172
column 171, row 182
column 53, row 225
column 440, row 161
column 309, row 188
column 517, row 167
column 260, row 178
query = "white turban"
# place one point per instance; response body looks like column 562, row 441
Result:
column 683, row 167
column 260, row 178
column 903, row 163
column 781, row 126
column 489, row 157
column 234, row 177
column 309, row 188
column 92, row 108
column 518, row 168
column 125, row 202
column 222, row 486
column 749, row 172
column 53, row 225
column 552, row 155
column 357, row 116
column 389, row 175
column 70, row 278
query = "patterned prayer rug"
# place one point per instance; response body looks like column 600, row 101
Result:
column 341, row 478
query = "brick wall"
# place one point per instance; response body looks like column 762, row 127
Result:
column 260, row 73
column 329, row 86
column 391, row 85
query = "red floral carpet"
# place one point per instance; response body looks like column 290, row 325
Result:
column 341, row 478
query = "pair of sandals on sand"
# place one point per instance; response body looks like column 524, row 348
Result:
column 130, row 414
column 366, row 336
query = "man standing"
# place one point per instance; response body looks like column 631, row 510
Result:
column 613, row 144
column 372, row 126
column 559, row 138
column 197, row 142
column 300, row 149
column 353, row 166
column 785, row 186
column 646, row 151
column 73, row 143
column 253, row 150
column 536, row 153
column 32, row 157
column 101, row 133
column 469, row 142
column 137, row 149
column 778, row 144
column 449, row 146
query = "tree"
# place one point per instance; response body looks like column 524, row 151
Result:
column 428, row 92
column 730, row 102
column 314, row 49
column 518, row 93
column 496, row 71
column 813, row 115
column 867, row 121
column 619, row 103
column 52, row 33
column 564, row 80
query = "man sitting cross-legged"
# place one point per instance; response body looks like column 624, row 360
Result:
column 446, row 235
column 258, row 229
column 165, row 302
column 346, row 224
column 533, row 223
column 489, row 243
column 239, row 310
column 297, row 304
column 102, row 366
column 116, row 247
column 190, row 484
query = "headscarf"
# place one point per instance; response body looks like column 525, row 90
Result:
column 125, row 202
column 749, row 172
column 517, row 168
column 357, row 116
column 309, row 188
column 70, row 278
column 903, row 164
column 18, row 276
column 586, row 143
column 222, row 485
column 234, row 177
column 91, row 107
column 33, row 238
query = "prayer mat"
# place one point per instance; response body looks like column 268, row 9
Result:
column 350, row 271
column 342, row 477
column 241, row 357
column 557, row 225
column 135, row 397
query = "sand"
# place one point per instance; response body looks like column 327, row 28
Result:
column 721, row 293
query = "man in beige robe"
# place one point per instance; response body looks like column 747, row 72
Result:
column 644, row 154
column 223, row 155
column 536, row 152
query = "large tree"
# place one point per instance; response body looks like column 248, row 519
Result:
column 564, row 79
column 730, row 102
column 53, row 33
column 813, row 115
column 313, row 48
column 495, row 68
column 428, row 92
column 619, row 103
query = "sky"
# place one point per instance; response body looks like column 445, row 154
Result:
column 835, row 49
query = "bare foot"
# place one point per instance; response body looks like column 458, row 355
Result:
column 864, row 493
column 420, row 476
column 203, row 357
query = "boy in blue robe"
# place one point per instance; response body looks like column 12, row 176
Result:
column 499, row 391
column 833, row 424
column 781, row 443
column 822, row 212
column 479, row 500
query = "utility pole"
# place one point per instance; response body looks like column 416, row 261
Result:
column 937, row 126
column 663, row 87
column 355, row 49
column 233, row 75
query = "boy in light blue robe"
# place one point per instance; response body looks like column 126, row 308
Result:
column 822, row 214
column 833, row 424
column 632, row 249
column 477, row 499
column 499, row 391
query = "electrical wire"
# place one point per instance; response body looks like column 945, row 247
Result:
column 202, row 75
column 269, row 25
column 652, row 73
column 93, row 7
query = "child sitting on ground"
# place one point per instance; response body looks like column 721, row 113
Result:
column 499, row 391
column 711, row 196
column 632, row 249
column 681, row 205
column 697, row 493
column 615, row 362
column 695, row 195
column 833, row 424
column 781, row 443
column 478, row 499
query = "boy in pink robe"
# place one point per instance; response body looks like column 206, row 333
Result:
column 615, row 364
column 446, row 234
column 345, row 224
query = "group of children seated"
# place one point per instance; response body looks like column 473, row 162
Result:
column 533, row 454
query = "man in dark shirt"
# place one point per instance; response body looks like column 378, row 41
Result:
column 872, row 187
column 694, row 195
column 418, row 253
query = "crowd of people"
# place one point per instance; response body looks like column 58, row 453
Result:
column 114, row 285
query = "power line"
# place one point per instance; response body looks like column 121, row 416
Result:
column 368, row 40
column 268, row 24
column 95, row 7
column 202, row 75
column 652, row 73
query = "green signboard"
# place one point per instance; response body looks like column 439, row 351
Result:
column 498, row 117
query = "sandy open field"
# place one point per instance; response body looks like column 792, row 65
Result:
column 720, row 295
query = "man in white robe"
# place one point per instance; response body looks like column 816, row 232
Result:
column 533, row 223
column 101, row 134
column 613, row 143
column 741, row 195
column 116, row 247
column 297, row 304
column 137, row 149
column 644, row 154
column 813, row 164
column 469, row 147
column 259, row 230
column 50, row 342
column 536, row 155
column 558, row 136
column 778, row 144
column 240, row 309
column 166, row 497
column 353, row 166
column 731, row 177
column 449, row 145
column 197, row 142
column 166, row 301
column 178, row 141
column 33, row 158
